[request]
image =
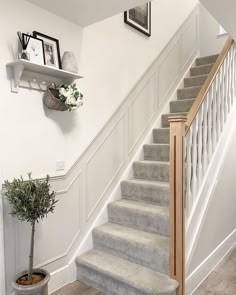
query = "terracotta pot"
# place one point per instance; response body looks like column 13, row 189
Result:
column 37, row 289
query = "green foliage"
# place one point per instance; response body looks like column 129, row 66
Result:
column 31, row 200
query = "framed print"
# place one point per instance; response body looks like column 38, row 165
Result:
column 140, row 18
column 35, row 50
column 51, row 50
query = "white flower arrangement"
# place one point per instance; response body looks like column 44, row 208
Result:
column 71, row 96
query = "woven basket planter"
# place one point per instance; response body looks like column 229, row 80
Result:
column 52, row 101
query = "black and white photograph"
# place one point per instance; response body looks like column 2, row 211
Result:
column 35, row 50
column 51, row 50
column 140, row 18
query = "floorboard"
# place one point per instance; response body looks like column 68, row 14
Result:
column 77, row 288
column 222, row 281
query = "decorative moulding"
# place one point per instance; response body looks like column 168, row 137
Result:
column 37, row 74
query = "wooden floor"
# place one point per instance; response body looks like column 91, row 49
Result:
column 222, row 281
column 77, row 288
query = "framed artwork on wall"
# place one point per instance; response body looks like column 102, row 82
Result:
column 140, row 18
column 35, row 50
column 51, row 50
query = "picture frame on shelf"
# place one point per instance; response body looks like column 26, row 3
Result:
column 140, row 18
column 35, row 50
column 51, row 50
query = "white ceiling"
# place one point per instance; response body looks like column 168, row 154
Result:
column 224, row 13
column 86, row 12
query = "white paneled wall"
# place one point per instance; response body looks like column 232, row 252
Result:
column 84, row 190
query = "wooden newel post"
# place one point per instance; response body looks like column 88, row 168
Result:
column 177, row 201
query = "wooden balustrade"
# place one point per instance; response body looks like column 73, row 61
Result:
column 177, row 228
column 193, row 140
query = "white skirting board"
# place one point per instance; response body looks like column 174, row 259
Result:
column 195, row 279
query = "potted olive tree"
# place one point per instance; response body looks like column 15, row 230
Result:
column 31, row 201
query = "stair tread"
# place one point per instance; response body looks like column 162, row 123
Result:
column 148, row 162
column 175, row 114
column 191, row 87
column 147, row 182
column 139, row 277
column 141, row 206
column 203, row 59
column 186, row 100
column 195, row 78
column 156, row 144
column 164, row 128
column 135, row 236
column 203, row 66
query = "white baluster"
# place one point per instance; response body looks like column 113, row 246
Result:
column 214, row 108
column 227, row 96
column 223, row 104
column 234, row 71
column 218, row 102
column 209, row 125
column 230, row 78
column 205, row 157
column 189, row 200
column 199, row 148
column 194, row 159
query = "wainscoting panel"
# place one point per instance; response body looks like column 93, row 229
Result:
column 61, row 228
column 189, row 40
column 169, row 69
column 142, row 110
column 104, row 165
column 89, row 183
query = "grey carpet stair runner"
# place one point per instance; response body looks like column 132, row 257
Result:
column 131, row 251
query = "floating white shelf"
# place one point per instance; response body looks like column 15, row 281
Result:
column 17, row 68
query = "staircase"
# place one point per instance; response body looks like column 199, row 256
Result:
column 131, row 254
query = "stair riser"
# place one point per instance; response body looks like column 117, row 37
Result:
column 146, row 193
column 156, row 152
column 156, row 172
column 206, row 60
column 195, row 81
column 134, row 252
column 150, row 222
column 203, row 70
column 180, row 106
column 161, row 136
column 109, row 285
column 187, row 93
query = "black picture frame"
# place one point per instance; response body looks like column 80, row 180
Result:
column 41, row 36
column 28, row 50
column 138, row 27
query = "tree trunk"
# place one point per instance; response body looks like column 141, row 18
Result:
column 31, row 257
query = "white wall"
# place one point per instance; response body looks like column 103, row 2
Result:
column 209, row 43
column 224, row 12
column 87, row 12
column 111, row 56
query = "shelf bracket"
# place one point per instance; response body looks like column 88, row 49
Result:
column 17, row 74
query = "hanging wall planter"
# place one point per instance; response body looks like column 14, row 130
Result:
column 63, row 98
column 52, row 101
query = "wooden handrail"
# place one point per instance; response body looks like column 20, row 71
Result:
column 205, row 88
column 177, row 205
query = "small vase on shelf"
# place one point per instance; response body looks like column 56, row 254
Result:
column 69, row 62
column 24, row 55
